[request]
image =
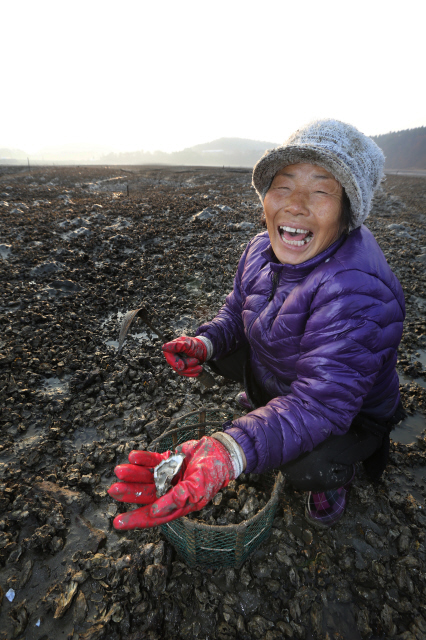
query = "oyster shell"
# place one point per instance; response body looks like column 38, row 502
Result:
column 165, row 472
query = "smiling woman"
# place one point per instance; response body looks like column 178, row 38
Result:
column 311, row 329
column 303, row 211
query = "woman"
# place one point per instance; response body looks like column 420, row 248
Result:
column 311, row 327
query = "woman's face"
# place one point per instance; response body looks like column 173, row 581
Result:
column 303, row 212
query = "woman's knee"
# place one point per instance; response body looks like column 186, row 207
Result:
column 304, row 476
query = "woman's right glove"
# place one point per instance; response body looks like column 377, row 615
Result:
column 208, row 467
column 186, row 355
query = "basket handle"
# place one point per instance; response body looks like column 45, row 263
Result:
column 174, row 432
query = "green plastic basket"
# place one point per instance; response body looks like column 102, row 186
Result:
column 213, row 546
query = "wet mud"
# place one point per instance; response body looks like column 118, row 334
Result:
column 81, row 246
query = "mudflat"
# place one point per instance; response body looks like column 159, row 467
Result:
column 79, row 247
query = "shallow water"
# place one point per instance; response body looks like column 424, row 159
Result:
column 114, row 317
column 412, row 481
column 421, row 357
column 112, row 343
column 54, row 386
column 84, row 436
column 141, row 335
column 403, row 379
column 5, row 250
column 407, row 431
column 185, row 323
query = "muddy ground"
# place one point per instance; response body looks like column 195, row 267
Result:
column 79, row 247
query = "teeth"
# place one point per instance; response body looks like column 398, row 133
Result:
column 297, row 243
column 292, row 230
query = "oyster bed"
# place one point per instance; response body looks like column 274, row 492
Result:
column 79, row 247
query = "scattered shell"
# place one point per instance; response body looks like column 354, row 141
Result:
column 19, row 616
column 80, row 609
column 65, row 599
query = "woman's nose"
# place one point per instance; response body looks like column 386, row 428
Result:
column 296, row 203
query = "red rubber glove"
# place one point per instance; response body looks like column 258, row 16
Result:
column 185, row 355
column 138, row 485
column 206, row 470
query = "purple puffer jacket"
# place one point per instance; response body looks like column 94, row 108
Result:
column 323, row 339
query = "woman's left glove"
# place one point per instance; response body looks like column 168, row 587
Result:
column 208, row 467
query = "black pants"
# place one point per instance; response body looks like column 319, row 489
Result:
column 330, row 464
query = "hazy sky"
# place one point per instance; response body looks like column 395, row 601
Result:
column 168, row 74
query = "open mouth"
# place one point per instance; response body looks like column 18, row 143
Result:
column 295, row 237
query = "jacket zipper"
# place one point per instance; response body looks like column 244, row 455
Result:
column 275, row 278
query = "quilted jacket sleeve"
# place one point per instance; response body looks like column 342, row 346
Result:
column 352, row 334
column 226, row 330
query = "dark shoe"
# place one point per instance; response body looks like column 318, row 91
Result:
column 324, row 509
column 243, row 401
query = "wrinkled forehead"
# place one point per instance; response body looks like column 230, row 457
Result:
column 305, row 169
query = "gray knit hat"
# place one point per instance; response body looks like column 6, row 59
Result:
column 351, row 157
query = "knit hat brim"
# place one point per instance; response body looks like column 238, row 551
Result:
column 281, row 157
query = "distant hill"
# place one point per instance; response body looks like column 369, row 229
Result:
column 229, row 152
column 12, row 156
column 404, row 149
column 73, row 153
